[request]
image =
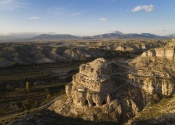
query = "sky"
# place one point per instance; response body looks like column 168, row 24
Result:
column 87, row 17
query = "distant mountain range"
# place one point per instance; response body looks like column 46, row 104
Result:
column 116, row 34
column 54, row 37
column 171, row 35
column 16, row 36
column 120, row 35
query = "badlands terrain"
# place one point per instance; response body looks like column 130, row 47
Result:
column 38, row 52
column 100, row 81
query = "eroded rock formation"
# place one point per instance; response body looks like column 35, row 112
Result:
column 100, row 92
column 92, row 85
column 118, row 90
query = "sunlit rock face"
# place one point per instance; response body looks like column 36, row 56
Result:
column 92, row 85
column 100, row 92
column 166, row 51
column 155, row 70
column 117, row 91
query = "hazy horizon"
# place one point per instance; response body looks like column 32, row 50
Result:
column 54, row 33
column 87, row 17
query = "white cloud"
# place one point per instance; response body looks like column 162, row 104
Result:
column 147, row 8
column 138, row 8
column 10, row 4
column 34, row 18
column 104, row 19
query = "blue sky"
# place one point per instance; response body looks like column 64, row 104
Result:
column 87, row 17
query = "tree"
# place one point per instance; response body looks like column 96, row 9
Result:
column 27, row 86
column 48, row 97
column 26, row 105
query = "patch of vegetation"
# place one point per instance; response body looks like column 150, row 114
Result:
column 154, row 111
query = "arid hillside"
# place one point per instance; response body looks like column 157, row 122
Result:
column 117, row 91
column 123, row 77
column 62, row 51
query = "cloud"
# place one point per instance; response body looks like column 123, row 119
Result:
column 34, row 18
column 103, row 19
column 10, row 4
column 138, row 8
column 146, row 8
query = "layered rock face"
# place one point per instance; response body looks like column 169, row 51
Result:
column 138, row 47
column 100, row 92
column 117, row 91
column 155, row 70
column 167, row 52
column 92, row 85
column 31, row 53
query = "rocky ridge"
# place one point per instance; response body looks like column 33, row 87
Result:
column 99, row 93
column 36, row 54
column 64, row 51
column 117, row 91
column 155, row 70
column 156, row 76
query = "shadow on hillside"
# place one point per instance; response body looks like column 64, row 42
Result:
column 47, row 117
column 168, row 119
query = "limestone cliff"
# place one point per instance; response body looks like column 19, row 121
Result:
column 155, row 70
column 92, row 84
column 132, row 46
column 155, row 73
column 117, row 90
column 101, row 92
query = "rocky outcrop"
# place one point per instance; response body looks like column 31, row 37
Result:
column 155, row 70
column 92, row 85
column 68, row 50
column 167, row 52
column 81, row 54
column 173, row 39
column 42, row 53
column 135, row 47
column 118, row 90
column 100, row 92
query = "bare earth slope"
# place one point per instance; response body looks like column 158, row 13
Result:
column 61, row 51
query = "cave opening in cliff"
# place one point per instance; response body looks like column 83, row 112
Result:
column 104, row 102
column 93, row 104
column 86, row 102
